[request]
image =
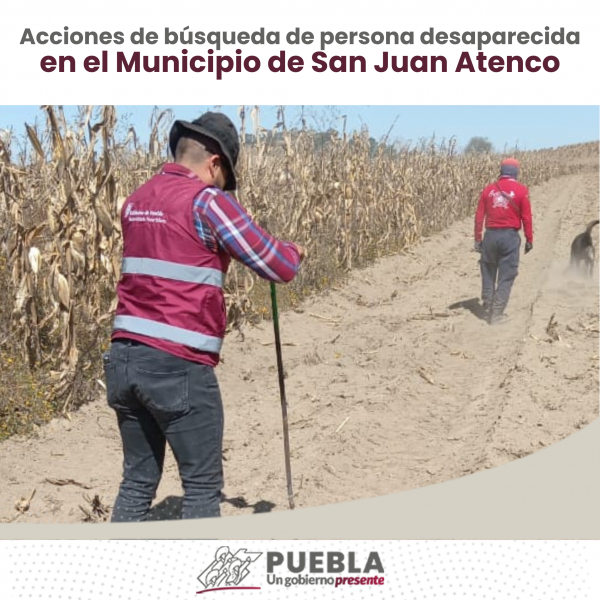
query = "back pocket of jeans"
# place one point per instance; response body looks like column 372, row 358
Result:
column 165, row 394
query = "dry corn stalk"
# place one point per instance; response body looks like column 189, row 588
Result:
column 346, row 197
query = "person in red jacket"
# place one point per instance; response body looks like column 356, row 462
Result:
column 180, row 231
column 503, row 206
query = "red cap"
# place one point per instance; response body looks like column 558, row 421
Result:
column 510, row 162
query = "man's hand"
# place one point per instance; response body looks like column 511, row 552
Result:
column 528, row 247
column 301, row 251
column 477, row 247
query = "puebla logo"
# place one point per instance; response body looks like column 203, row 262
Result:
column 228, row 570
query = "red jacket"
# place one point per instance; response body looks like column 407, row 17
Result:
column 171, row 289
column 504, row 204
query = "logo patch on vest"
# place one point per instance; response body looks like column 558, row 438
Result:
column 144, row 216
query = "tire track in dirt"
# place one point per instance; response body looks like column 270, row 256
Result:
column 503, row 347
column 401, row 430
column 498, row 362
column 553, row 386
column 389, row 387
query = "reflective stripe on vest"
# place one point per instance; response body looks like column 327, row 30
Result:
column 207, row 343
column 171, row 270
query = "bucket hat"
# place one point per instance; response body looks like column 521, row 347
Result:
column 217, row 127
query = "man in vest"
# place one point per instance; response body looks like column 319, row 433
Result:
column 504, row 205
column 180, row 230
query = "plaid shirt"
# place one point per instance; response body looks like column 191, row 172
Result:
column 222, row 223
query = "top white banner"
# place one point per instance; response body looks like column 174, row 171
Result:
column 315, row 52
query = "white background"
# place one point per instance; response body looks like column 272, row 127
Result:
column 576, row 82
column 413, row 570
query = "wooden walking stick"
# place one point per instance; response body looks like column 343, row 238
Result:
column 286, row 437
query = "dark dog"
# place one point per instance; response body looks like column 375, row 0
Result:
column 583, row 251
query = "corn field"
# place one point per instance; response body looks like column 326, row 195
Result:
column 348, row 199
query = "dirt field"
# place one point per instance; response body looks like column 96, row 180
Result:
column 393, row 383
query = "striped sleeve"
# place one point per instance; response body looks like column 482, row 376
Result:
column 221, row 220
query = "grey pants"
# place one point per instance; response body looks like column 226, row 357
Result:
column 160, row 398
column 499, row 267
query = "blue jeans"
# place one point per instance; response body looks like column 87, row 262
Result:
column 499, row 266
column 160, row 398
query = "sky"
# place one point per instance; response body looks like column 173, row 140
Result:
column 526, row 127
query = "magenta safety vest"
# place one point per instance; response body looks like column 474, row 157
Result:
column 170, row 295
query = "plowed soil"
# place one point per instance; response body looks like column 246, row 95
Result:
column 393, row 382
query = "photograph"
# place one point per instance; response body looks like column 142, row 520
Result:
column 300, row 300
column 229, row 310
